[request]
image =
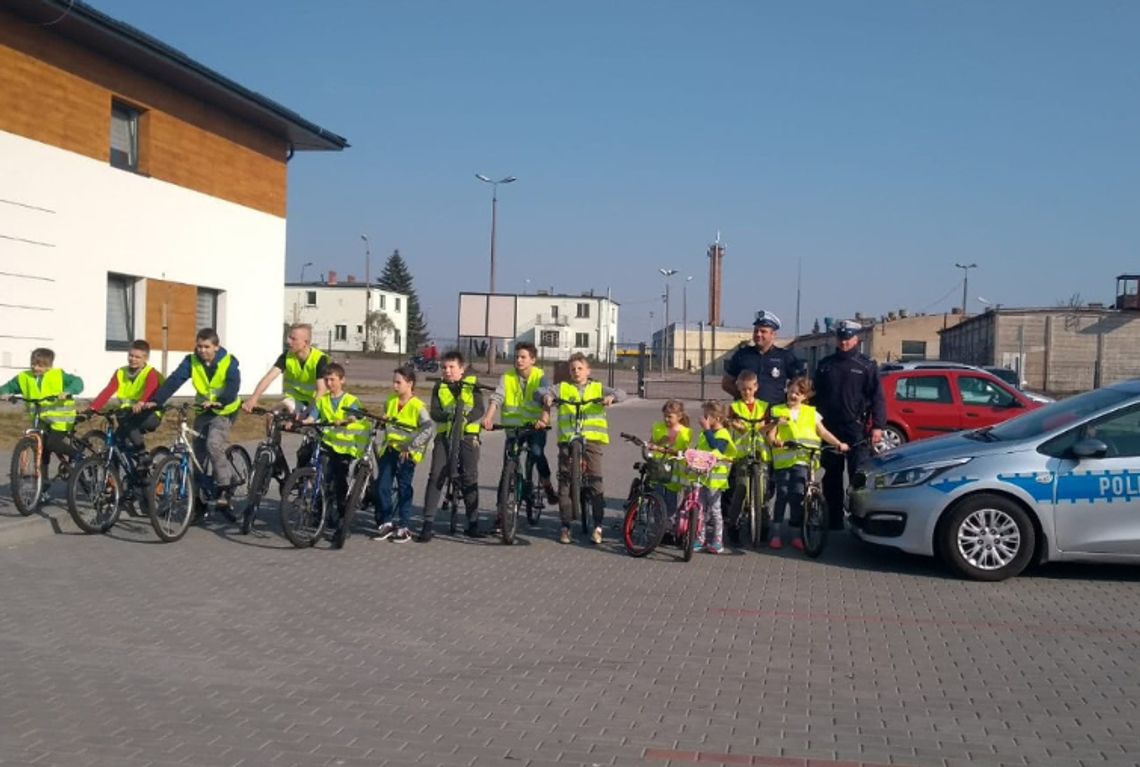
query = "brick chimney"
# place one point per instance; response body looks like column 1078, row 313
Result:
column 350, row 279
column 716, row 268
column 332, row 278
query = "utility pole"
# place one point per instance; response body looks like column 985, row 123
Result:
column 965, row 283
column 367, row 290
column 666, row 273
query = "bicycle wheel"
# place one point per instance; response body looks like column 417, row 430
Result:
column 171, row 492
column 689, row 534
column 815, row 524
column 238, row 458
column 258, row 487
column 576, row 506
column 92, row 442
column 94, row 495
column 453, row 504
column 26, row 477
column 356, row 494
column 757, row 508
column 304, row 507
column 532, row 500
column 511, row 492
column 644, row 524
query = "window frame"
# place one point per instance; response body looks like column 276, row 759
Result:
column 946, row 392
column 310, row 298
column 217, row 298
column 132, row 117
column 340, row 332
column 987, row 382
column 129, row 284
column 578, row 343
column 583, row 311
column 546, row 335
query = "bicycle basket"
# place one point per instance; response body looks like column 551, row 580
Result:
column 657, row 471
column 700, row 460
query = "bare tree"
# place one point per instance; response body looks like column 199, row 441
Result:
column 379, row 326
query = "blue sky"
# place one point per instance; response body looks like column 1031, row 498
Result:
column 878, row 142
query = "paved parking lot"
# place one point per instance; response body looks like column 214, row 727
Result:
column 231, row 650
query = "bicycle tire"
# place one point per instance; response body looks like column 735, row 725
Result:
column 171, row 494
column 95, row 495
column 815, row 524
column 757, row 508
column 644, row 524
column 258, row 487
column 690, row 534
column 533, row 505
column 93, row 441
column 454, row 439
column 577, row 507
column 304, row 507
column 508, row 502
column 453, row 506
column 238, row 459
column 355, row 499
column 26, row 476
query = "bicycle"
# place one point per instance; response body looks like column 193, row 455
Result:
column 181, row 488
column 102, row 485
column 364, row 475
column 816, row 520
column 689, row 526
column 517, row 488
column 269, row 463
column 749, row 505
column 455, row 433
column 577, row 461
column 644, row 523
column 28, row 481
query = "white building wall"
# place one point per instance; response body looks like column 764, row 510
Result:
column 67, row 220
column 344, row 305
column 559, row 314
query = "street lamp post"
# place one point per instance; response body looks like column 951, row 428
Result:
column 965, row 282
column 304, row 266
column 666, row 273
column 367, row 289
column 685, row 322
column 494, row 221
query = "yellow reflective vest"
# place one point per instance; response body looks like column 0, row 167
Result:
column 718, row 479
column 403, row 423
column 681, row 441
column 348, row 439
column 301, row 379
column 751, row 431
column 595, row 427
column 60, row 414
column 803, row 428
column 130, row 389
column 519, row 406
column 466, row 396
column 208, row 389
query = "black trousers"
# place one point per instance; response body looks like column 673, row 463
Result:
column 834, row 465
column 468, row 477
column 55, row 442
column 133, row 427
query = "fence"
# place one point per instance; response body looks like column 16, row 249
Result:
column 686, row 365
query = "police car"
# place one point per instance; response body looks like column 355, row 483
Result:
column 1061, row 483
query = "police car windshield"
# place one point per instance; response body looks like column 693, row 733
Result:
column 1058, row 415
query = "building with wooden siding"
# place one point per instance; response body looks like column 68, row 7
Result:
column 142, row 195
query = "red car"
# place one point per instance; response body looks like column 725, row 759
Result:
column 929, row 402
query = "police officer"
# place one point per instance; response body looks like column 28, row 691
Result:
column 772, row 365
column 847, row 395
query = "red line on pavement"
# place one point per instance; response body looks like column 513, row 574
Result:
column 710, row 757
column 900, row 621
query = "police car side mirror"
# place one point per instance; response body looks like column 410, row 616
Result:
column 1089, row 447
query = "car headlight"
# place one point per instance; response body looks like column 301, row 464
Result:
column 915, row 475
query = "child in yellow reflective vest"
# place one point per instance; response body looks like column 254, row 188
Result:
column 744, row 418
column 716, row 439
column 58, row 415
column 672, row 433
column 798, row 422
column 409, row 430
column 344, row 438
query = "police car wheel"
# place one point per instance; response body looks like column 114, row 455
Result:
column 987, row 538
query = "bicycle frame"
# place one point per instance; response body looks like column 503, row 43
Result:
column 578, row 436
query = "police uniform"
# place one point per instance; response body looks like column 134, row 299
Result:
column 847, row 393
column 773, row 368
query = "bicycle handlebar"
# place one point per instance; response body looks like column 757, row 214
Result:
column 469, row 384
column 578, row 402
column 529, row 427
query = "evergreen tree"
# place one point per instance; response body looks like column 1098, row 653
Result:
column 398, row 279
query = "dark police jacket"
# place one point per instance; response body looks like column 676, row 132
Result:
column 847, row 391
column 772, row 369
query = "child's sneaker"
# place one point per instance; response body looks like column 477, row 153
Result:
column 564, row 536
column 384, row 532
column 596, row 537
column 716, row 547
column 798, row 544
column 775, row 542
column 403, row 535
column 697, row 546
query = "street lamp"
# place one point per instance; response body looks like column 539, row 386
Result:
column 685, row 322
column 367, row 289
column 666, row 273
column 304, row 266
column 494, row 218
column 965, row 282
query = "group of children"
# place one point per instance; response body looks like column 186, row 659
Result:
column 782, row 434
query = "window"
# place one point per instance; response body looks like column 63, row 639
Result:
column 554, row 312
column 1120, row 431
column 397, row 303
column 913, row 350
column 359, row 329
column 341, row 333
column 124, row 137
column 120, row 312
column 581, row 340
column 382, row 301
column 932, row 389
column 548, row 339
column 583, row 311
column 310, row 298
column 978, row 391
column 207, row 308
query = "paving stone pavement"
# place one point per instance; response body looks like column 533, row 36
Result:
column 229, row 650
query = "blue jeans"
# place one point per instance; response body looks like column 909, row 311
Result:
column 791, row 486
column 392, row 469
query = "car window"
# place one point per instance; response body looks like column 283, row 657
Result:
column 1059, row 414
column 1011, row 377
column 1120, row 431
column 979, row 391
column 932, row 389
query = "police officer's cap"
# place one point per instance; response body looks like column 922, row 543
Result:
column 765, row 319
column 846, row 329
